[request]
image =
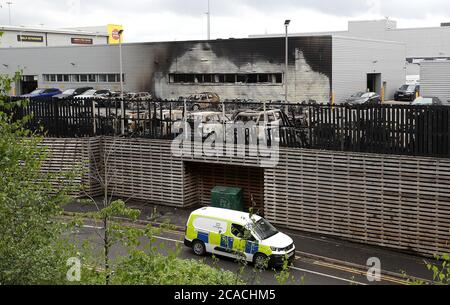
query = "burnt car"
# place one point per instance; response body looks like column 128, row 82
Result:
column 203, row 101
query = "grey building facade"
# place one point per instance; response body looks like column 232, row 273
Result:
column 321, row 68
column 435, row 79
column 421, row 43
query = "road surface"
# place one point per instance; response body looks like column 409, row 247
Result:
column 305, row 269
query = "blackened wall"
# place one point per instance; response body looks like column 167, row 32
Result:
column 309, row 75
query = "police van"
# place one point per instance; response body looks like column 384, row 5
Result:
column 231, row 233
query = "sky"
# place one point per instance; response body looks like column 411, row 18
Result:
column 168, row 20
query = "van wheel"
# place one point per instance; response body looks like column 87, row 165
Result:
column 199, row 248
column 260, row 261
column 196, row 107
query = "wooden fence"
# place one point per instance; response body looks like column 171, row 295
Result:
column 386, row 200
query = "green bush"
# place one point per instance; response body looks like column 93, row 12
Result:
column 141, row 268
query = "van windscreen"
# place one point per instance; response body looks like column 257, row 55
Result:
column 264, row 229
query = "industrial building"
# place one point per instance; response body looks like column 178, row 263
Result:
column 435, row 79
column 321, row 68
column 21, row 37
column 426, row 43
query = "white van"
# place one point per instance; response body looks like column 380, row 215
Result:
column 232, row 233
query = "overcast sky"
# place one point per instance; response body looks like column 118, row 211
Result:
column 161, row 20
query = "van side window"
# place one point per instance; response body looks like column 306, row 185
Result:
column 241, row 232
column 237, row 231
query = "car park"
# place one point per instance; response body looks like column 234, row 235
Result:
column 70, row 93
column 427, row 101
column 363, row 98
column 232, row 233
column 40, row 93
column 407, row 93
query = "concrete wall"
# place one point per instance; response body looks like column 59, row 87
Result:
column 353, row 59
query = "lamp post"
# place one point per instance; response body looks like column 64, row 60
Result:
column 209, row 20
column 286, row 24
column 9, row 9
column 122, row 104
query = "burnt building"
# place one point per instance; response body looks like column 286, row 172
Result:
column 321, row 68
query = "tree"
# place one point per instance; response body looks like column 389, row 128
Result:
column 441, row 273
column 32, row 249
column 142, row 263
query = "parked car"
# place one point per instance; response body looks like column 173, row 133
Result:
column 203, row 100
column 427, row 101
column 94, row 94
column 227, row 232
column 140, row 96
column 42, row 93
column 87, row 94
column 70, row 93
column 364, row 98
column 407, row 92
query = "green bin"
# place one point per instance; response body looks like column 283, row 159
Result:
column 231, row 198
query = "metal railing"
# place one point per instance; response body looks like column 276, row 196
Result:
column 388, row 129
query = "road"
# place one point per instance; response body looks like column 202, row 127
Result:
column 305, row 269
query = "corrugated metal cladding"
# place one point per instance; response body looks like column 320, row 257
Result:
column 147, row 66
column 435, row 79
column 317, row 66
column 354, row 58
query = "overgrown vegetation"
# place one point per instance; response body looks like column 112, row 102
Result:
column 441, row 273
column 31, row 248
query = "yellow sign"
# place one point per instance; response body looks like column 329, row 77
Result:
column 113, row 31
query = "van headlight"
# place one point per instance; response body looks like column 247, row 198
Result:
column 275, row 249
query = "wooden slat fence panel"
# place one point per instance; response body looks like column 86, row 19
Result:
column 393, row 201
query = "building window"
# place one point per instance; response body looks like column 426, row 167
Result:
column 112, row 78
column 102, row 78
column 263, row 78
column 82, row 78
column 75, row 78
column 238, row 78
